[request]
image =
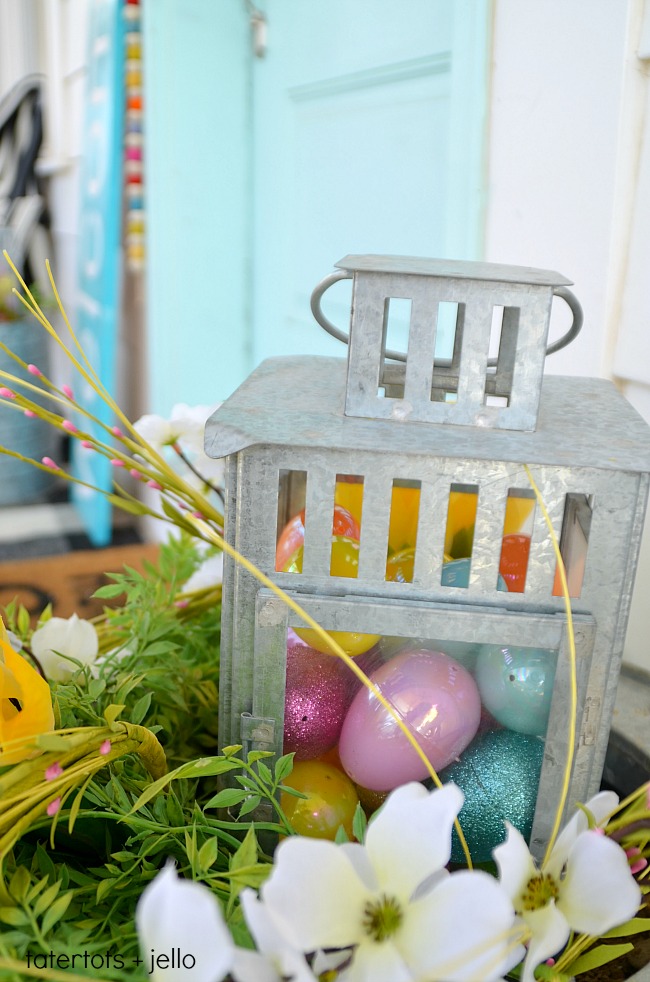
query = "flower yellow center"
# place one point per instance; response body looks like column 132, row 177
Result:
column 538, row 891
column 382, row 918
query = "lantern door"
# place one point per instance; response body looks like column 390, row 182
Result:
column 485, row 692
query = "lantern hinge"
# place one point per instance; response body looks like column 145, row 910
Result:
column 257, row 733
column 591, row 720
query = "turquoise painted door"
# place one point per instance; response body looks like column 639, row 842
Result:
column 361, row 129
column 368, row 138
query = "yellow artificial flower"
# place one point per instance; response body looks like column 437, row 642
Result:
column 25, row 704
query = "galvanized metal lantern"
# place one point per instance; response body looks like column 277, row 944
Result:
column 388, row 494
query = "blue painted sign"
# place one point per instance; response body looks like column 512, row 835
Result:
column 99, row 270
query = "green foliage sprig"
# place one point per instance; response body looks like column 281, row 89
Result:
column 160, row 671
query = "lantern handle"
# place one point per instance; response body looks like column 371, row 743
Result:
column 578, row 319
column 319, row 290
column 343, row 274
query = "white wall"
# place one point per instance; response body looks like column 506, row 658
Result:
column 555, row 107
column 566, row 179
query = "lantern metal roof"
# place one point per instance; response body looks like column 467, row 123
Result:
column 452, row 269
column 299, row 401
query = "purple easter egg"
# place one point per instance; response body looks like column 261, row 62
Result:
column 438, row 700
column 317, row 695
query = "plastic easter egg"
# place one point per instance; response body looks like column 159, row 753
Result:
column 575, row 574
column 516, row 685
column 434, row 696
column 513, row 564
column 349, row 494
column 461, row 518
column 399, row 566
column 317, row 696
column 456, row 573
column 369, row 800
column 344, row 562
column 465, row 652
column 499, row 776
column 519, row 515
column 331, row 757
column 404, row 513
column 344, row 558
column 330, row 800
column 293, row 533
column 352, row 642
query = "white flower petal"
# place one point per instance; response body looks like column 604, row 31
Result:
column 600, row 806
column 174, row 913
column 69, row 637
column 271, row 942
column 374, row 962
column 549, row 933
column 461, row 931
column 154, row 430
column 315, row 894
column 411, row 836
column 250, row 966
column 358, row 856
column 213, row 469
column 209, row 573
column 598, row 891
column 189, row 424
column 515, row 863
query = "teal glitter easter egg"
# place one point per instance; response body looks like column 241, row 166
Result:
column 499, row 776
column 516, row 685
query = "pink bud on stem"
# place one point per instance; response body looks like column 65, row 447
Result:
column 53, row 807
column 33, row 370
column 637, row 864
column 50, row 463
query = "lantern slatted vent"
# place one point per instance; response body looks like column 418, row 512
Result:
column 404, row 522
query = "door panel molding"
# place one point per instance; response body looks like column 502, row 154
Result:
column 400, row 71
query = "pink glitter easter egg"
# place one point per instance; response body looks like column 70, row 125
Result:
column 317, row 696
column 437, row 699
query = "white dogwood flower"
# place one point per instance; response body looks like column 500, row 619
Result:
column 190, row 422
column 61, row 639
column 392, row 901
column 585, row 886
column 186, row 423
column 208, row 574
column 185, row 917
column 275, row 958
column 156, row 431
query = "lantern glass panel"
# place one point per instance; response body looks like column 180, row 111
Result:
column 485, row 694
